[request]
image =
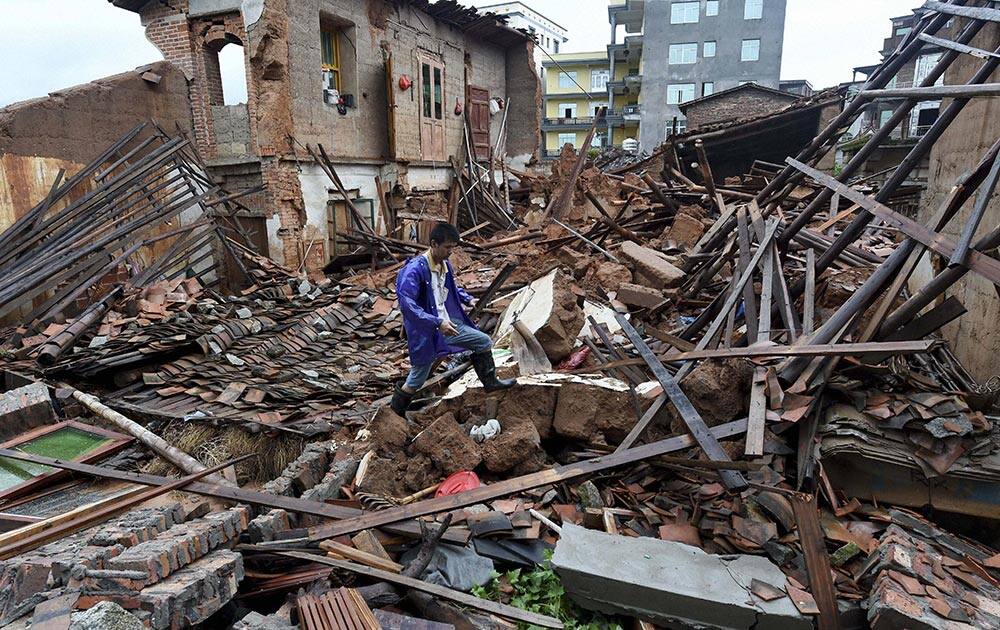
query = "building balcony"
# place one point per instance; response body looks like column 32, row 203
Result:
column 612, row 116
column 628, row 13
column 631, row 112
column 630, row 49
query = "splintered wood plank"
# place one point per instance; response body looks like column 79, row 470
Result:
column 758, row 414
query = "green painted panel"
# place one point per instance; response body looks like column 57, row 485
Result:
column 66, row 443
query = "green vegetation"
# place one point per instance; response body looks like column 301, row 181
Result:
column 540, row 591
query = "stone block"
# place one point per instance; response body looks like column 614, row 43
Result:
column 685, row 231
column 651, row 267
column 638, row 295
column 105, row 615
column 25, row 408
column 669, row 583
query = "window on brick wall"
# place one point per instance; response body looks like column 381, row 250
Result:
column 331, row 58
column 338, row 59
column 233, row 75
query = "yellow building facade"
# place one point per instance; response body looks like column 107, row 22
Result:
column 576, row 86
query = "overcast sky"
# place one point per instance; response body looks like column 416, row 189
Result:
column 46, row 45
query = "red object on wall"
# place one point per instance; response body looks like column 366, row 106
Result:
column 405, row 82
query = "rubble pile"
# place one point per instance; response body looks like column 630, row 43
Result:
column 730, row 409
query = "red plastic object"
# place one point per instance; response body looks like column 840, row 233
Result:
column 405, row 82
column 458, row 482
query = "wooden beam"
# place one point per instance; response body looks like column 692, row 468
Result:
column 962, row 48
column 976, row 13
column 501, row 610
column 752, row 352
column 643, row 422
column 695, row 424
column 817, row 560
column 516, row 484
column 984, row 265
column 935, row 93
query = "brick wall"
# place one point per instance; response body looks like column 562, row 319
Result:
column 741, row 104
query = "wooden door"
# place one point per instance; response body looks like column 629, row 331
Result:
column 478, row 105
column 432, row 105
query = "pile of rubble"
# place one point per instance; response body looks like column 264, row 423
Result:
column 728, row 406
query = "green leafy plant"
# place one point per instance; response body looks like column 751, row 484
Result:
column 540, row 591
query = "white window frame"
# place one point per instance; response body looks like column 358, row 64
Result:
column 753, row 9
column 708, row 88
column 676, row 93
column 682, row 54
column 567, row 138
column 750, row 50
column 711, row 8
column 564, row 106
column 683, row 12
column 570, row 81
column 705, row 49
column 682, row 125
column 596, row 82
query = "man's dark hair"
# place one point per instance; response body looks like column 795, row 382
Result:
column 445, row 233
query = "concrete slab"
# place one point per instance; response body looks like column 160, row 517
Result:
column 671, row 584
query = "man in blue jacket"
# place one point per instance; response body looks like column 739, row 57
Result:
column 435, row 323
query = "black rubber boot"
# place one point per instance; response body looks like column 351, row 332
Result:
column 486, row 370
column 400, row 401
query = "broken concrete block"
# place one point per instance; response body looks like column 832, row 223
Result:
column 638, row 295
column 670, row 583
column 550, row 311
column 651, row 267
column 590, row 496
column 685, row 231
column 25, row 408
column 447, row 445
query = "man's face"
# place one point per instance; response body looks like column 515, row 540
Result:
column 441, row 251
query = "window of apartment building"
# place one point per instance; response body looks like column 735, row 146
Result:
column 753, row 9
column 678, row 93
column 555, row 47
column 682, row 125
column 599, row 79
column 567, row 138
column 682, row 53
column 599, row 140
column 750, row 50
column 712, row 8
column 684, row 12
column 708, row 50
column 567, row 110
column 926, row 63
column 595, row 107
column 901, row 30
column 708, row 88
column 883, row 117
column 567, row 79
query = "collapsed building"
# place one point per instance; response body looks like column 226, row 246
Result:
column 741, row 400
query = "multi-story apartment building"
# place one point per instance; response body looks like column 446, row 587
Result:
column 878, row 112
column 674, row 51
column 575, row 87
column 549, row 36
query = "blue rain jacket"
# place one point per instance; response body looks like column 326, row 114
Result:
column 420, row 317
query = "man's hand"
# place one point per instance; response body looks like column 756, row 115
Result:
column 448, row 329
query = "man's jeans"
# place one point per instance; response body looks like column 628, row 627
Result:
column 468, row 337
